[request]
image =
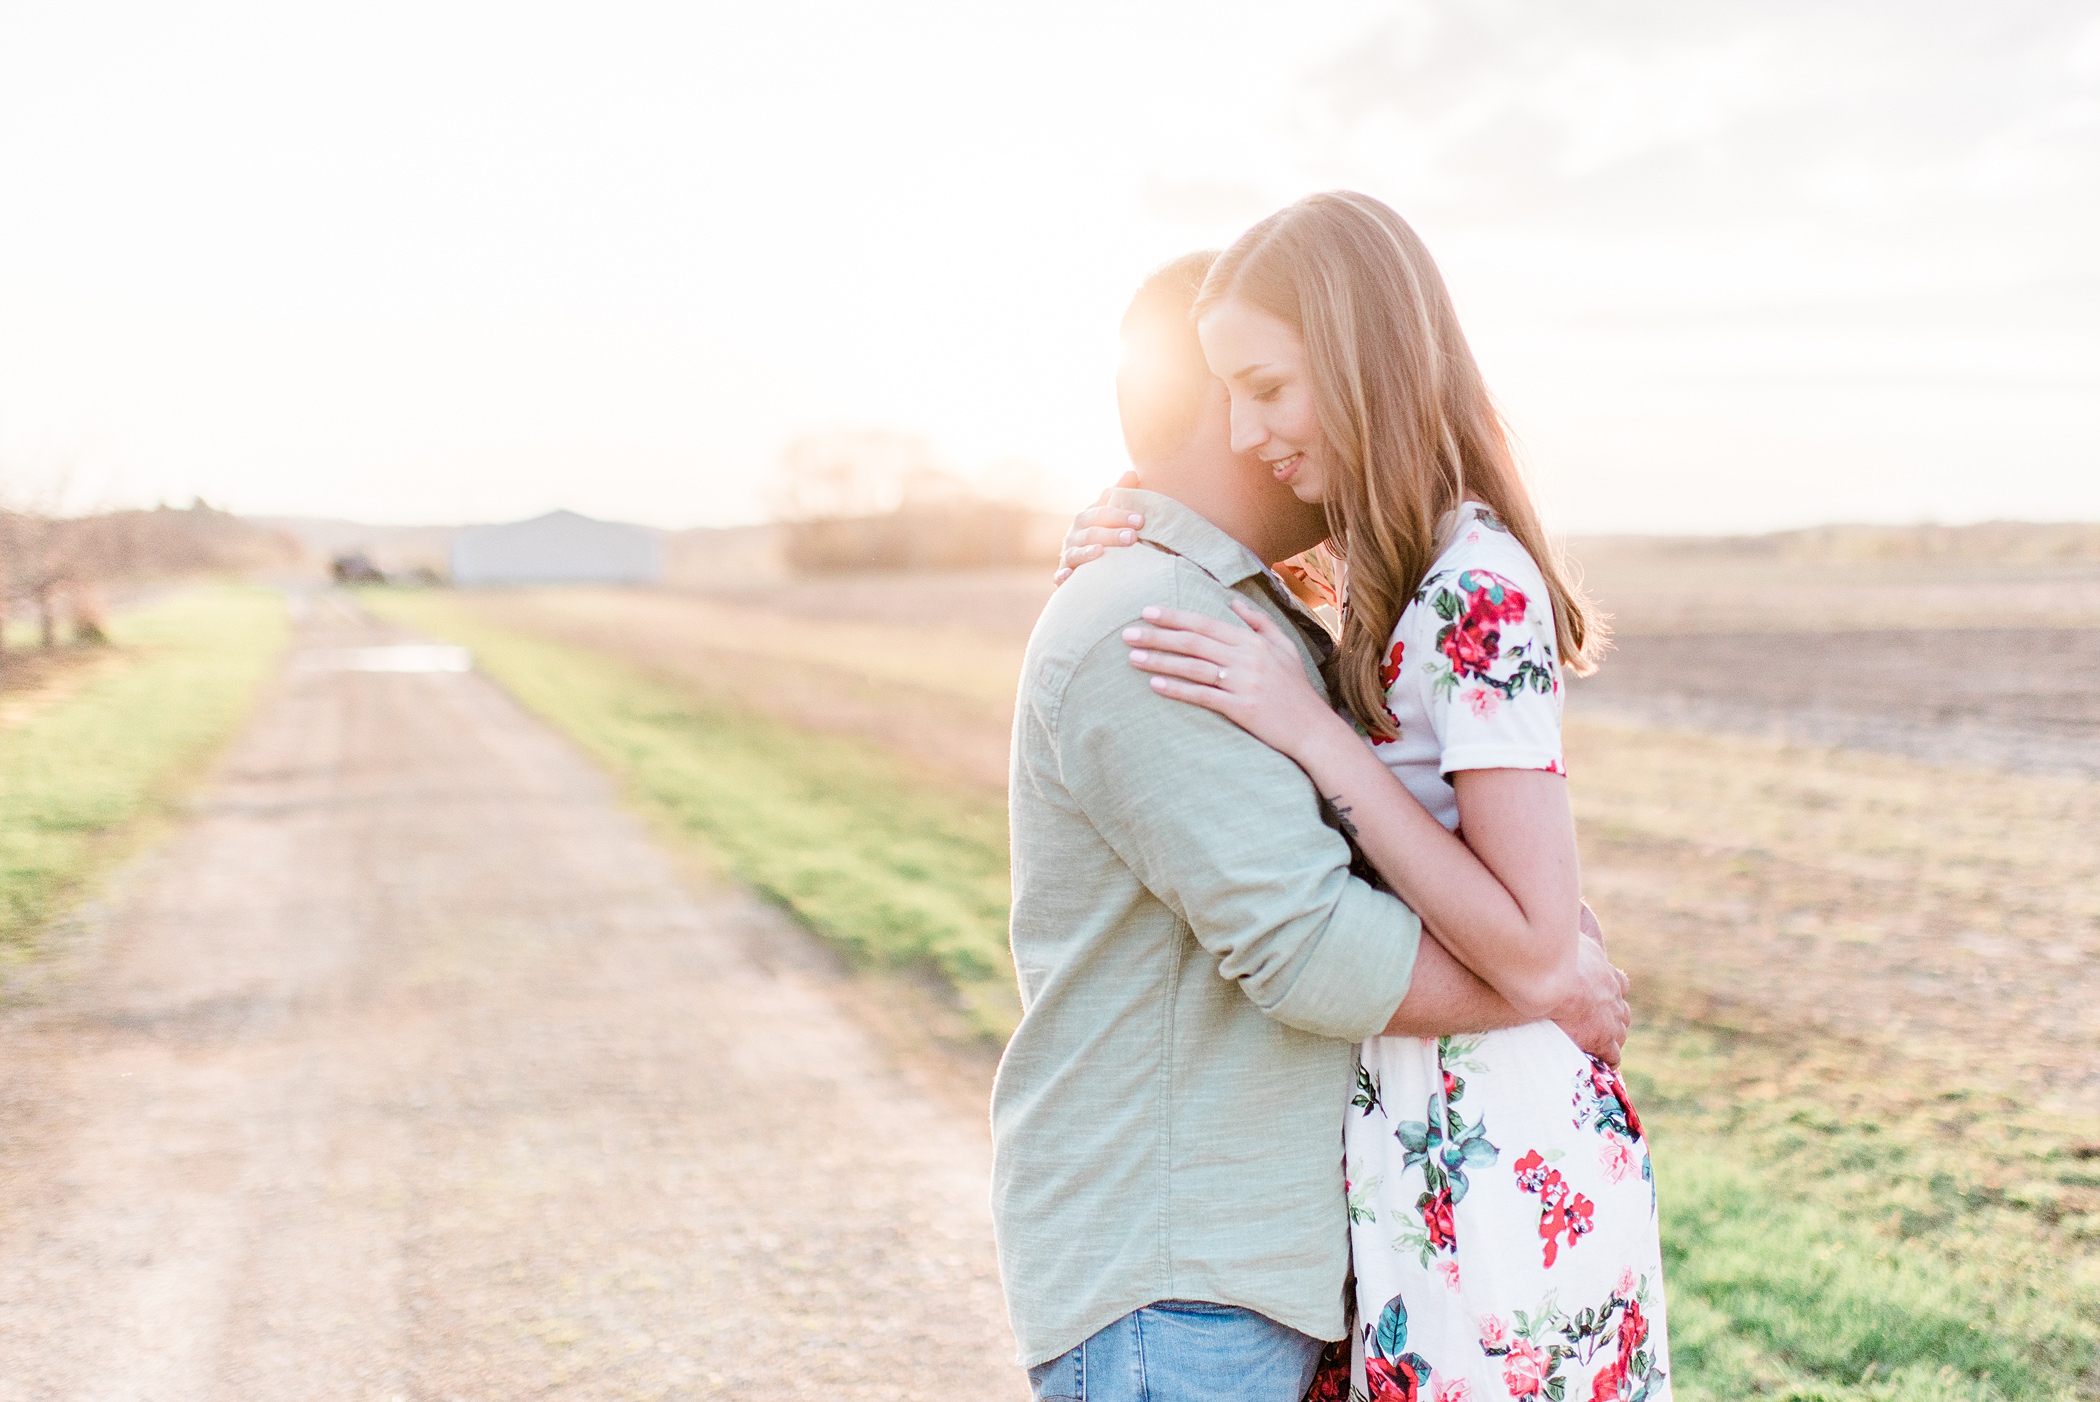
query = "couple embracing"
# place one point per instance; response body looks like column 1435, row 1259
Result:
column 1314, row 1092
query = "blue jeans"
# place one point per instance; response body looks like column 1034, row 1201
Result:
column 1183, row 1351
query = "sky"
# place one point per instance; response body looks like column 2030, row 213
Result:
column 1729, row 265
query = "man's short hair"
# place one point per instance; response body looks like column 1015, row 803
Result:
column 1164, row 380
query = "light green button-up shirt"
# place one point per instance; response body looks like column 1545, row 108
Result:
column 1195, row 961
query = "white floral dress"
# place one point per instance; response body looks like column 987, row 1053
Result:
column 1501, row 1201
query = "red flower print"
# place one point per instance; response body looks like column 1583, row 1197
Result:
column 1598, row 1088
column 1563, row 1212
column 1615, row 1157
column 1331, row 1382
column 1388, row 673
column 1450, row 1085
column 1491, row 598
column 1438, row 1216
column 1305, row 581
column 1394, row 1379
column 1611, row 1364
column 1609, row 1382
column 1389, row 670
column 1472, row 639
column 1524, row 1370
column 1601, row 1077
column 1633, row 1329
column 1471, row 646
column 1633, row 1116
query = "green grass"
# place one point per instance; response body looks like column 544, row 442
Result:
column 897, row 868
column 1775, row 1293
column 79, row 774
column 1836, row 1231
column 1831, row 1235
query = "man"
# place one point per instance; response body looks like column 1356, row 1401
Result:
column 1195, row 958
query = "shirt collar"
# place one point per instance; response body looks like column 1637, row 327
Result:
column 1189, row 534
column 1174, row 527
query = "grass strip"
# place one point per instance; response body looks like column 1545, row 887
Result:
column 1780, row 1295
column 1838, row 1231
column 78, row 774
column 895, row 866
column 1795, row 1273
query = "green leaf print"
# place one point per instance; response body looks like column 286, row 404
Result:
column 1359, row 1195
column 1459, row 1053
column 1367, row 1097
column 1477, row 1150
column 1391, row 1335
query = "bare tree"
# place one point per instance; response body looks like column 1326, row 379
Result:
column 65, row 566
column 44, row 566
column 846, row 474
column 9, row 526
column 31, row 565
column 96, row 552
column 869, row 499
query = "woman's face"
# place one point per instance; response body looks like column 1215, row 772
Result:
column 1262, row 362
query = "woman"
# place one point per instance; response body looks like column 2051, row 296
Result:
column 1500, row 1193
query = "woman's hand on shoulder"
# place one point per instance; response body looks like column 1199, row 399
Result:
column 1251, row 675
column 1100, row 527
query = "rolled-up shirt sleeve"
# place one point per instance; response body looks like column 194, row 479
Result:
column 1228, row 834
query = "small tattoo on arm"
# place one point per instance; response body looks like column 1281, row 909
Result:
column 1341, row 816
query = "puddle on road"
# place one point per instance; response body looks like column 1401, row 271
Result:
column 393, row 657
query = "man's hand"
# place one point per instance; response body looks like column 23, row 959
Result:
column 1596, row 1017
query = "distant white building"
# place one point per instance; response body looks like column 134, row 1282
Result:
column 558, row 548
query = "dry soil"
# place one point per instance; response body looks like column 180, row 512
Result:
column 2025, row 699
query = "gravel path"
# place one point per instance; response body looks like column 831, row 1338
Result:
column 409, row 1069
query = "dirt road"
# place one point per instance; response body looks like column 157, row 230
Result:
column 411, row 1069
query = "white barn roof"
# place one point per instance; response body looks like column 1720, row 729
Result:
column 558, row 548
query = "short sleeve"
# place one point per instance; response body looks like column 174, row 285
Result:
column 1494, row 690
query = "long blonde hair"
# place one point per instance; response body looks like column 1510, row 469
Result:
column 1409, row 428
